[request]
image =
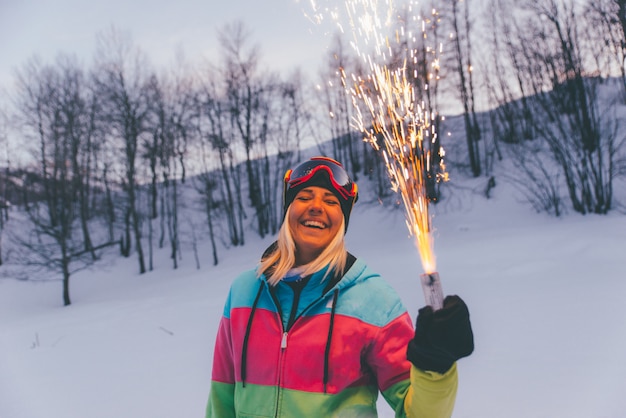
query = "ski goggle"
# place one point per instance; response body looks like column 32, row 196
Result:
column 336, row 173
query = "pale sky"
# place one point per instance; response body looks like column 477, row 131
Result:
column 160, row 28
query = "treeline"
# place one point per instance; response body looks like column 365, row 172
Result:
column 117, row 146
column 551, row 62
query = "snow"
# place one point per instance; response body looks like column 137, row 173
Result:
column 545, row 295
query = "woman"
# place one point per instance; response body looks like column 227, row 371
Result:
column 313, row 332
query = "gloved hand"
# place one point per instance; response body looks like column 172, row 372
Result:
column 441, row 337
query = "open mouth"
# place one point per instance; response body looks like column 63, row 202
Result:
column 314, row 224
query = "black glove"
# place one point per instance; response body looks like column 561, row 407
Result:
column 441, row 337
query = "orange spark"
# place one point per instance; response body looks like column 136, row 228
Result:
column 396, row 123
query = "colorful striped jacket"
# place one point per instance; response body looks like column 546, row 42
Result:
column 345, row 347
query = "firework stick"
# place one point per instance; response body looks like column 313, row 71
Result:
column 433, row 293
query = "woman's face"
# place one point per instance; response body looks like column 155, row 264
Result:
column 315, row 218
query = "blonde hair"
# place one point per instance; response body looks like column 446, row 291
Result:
column 276, row 264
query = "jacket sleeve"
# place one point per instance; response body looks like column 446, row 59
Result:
column 411, row 392
column 222, row 394
column 431, row 394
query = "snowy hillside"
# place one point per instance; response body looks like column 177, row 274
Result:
column 545, row 294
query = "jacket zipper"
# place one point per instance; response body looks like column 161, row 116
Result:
column 283, row 346
column 284, row 338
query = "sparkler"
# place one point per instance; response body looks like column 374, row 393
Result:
column 392, row 117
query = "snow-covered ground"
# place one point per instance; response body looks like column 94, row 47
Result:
column 546, row 297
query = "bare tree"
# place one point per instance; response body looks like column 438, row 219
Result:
column 211, row 124
column 498, row 85
column 330, row 95
column 207, row 183
column 175, row 127
column 293, row 116
column 122, row 82
column 608, row 27
column 79, row 107
column 5, row 202
column 268, row 130
column 461, row 25
column 340, row 63
column 55, row 107
column 539, row 182
column 291, row 119
column 248, row 93
column 579, row 132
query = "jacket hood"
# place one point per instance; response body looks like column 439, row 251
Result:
column 357, row 272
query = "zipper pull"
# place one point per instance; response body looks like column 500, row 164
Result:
column 283, row 342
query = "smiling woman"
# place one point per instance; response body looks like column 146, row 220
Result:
column 313, row 332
